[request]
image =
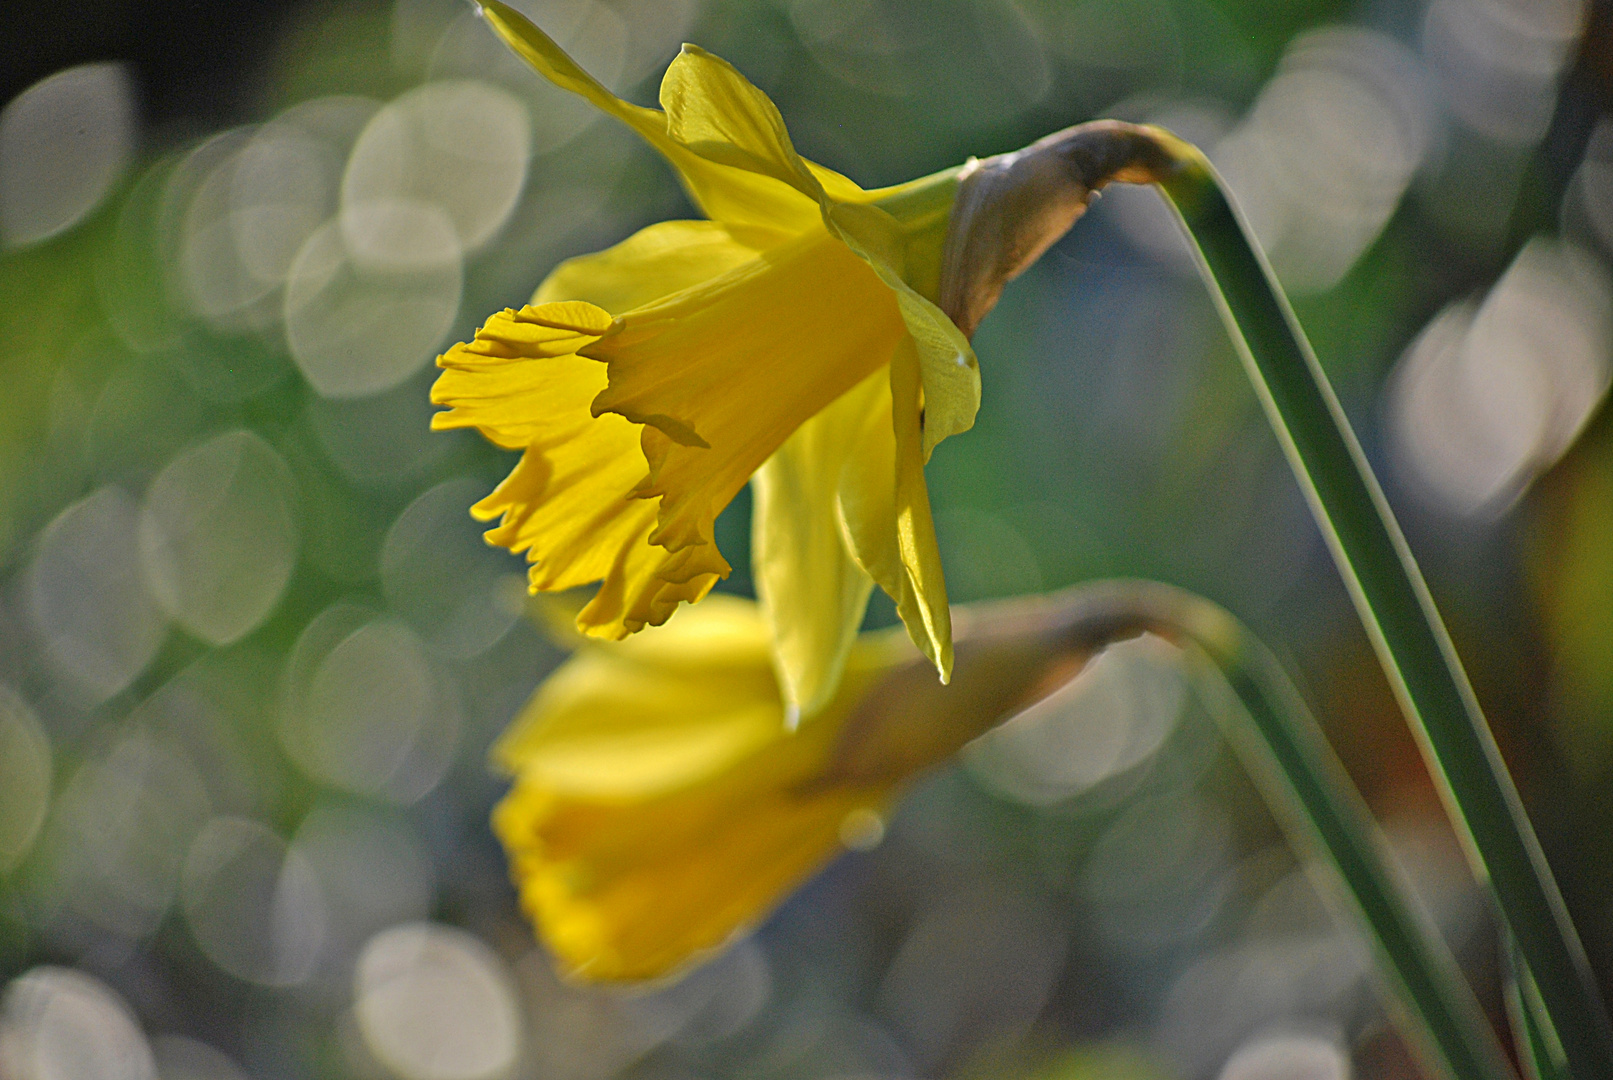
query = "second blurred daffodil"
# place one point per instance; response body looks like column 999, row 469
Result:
column 661, row 807
column 660, row 804
column 793, row 336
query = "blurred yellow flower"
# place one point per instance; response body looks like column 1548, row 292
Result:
column 661, row 807
column 794, row 336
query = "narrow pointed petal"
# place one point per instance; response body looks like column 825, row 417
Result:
column 811, row 589
column 915, row 528
column 553, row 63
column 947, row 363
column 886, row 510
column 717, row 113
column 720, row 375
column 725, row 191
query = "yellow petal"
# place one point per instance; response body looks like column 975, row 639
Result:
column 726, row 192
column 562, row 505
column 717, row 113
column 885, row 507
column 947, row 364
column 570, row 501
column 499, row 382
column 653, row 263
column 552, row 62
column 721, row 374
column 726, row 634
column 658, row 711
column 811, row 589
column 915, row 528
column 947, row 369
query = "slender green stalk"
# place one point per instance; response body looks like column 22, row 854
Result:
column 1287, row 754
column 1539, row 1050
column 1394, row 604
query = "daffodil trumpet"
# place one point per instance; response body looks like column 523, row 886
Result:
column 810, row 337
column 660, row 809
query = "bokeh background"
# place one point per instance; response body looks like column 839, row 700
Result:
column 253, row 651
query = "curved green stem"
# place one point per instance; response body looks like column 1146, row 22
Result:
column 1394, row 604
column 1309, row 791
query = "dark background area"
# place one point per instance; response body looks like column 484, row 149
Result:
column 196, row 62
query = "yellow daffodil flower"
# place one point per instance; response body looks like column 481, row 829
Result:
column 661, row 807
column 811, row 336
column 794, row 336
